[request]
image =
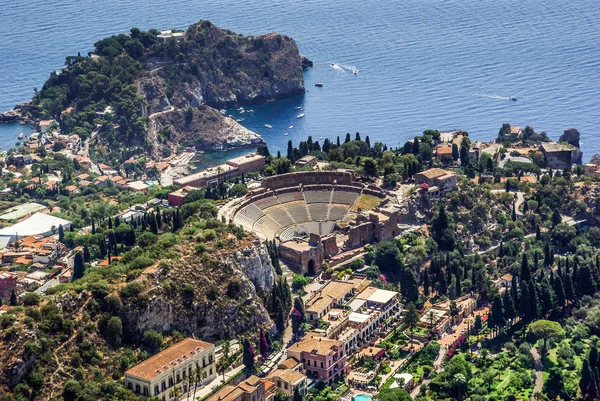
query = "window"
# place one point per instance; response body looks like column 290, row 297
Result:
column 315, row 364
column 210, row 371
column 145, row 390
column 156, row 390
column 210, row 358
column 285, row 385
column 322, row 364
column 163, row 386
column 178, row 378
column 184, row 374
column 137, row 388
column 129, row 385
column 203, row 362
column 279, row 383
column 170, row 382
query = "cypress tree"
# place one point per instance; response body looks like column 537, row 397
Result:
column 61, row 233
column 498, row 310
column 78, row 267
column 533, row 300
column 514, row 212
column 248, row 356
column 559, row 291
column 538, row 233
column 513, row 290
column 425, row 283
column 13, row 298
column 509, row 306
column 368, row 142
column 525, row 304
column 443, row 286
column 86, row 254
column 348, row 139
column 587, row 376
column 93, row 227
column 338, row 141
column 458, row 284
column 569, row 288
column 525, row 273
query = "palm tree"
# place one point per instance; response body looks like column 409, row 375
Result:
column 226, row 347
column 431, row 317
column 176, row 393
column 484, row 354
column 459, row 381
column 222, row 367
column 199, row 375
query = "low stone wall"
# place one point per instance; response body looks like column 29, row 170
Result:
column 308, row 178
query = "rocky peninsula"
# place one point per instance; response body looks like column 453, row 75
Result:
column 150, row 92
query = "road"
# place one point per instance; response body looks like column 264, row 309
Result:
column 520, row 199
column 539, row 379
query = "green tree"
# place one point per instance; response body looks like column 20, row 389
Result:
column 114, row 331
column 546, row 330
column 393, row 394
column 78, row 267
column 455, row 153
column 410, row 319
column 248, row 356
column 14, row 301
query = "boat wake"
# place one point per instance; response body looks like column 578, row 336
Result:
column 344, row 68
column 495, row 96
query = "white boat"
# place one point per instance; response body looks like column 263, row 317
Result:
column 290, row 127
column 286, row 134
column 268, row 126
column 250, row 111
column 355, row 71
column 239, row 120
column 300, row 115
column 21, row 136
column 241, row 110
column 299, row 108
column 223, row 111
column 320, row 137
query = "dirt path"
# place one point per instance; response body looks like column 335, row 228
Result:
column 158, row 113
column 539, row 379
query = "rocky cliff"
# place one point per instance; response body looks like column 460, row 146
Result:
column 216, row 68
column 225, row 302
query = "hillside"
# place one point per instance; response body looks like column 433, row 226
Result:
column 152, row 84
column 211, row 283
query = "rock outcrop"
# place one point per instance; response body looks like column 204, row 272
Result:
column 226, row 300
column 571, row 136
column 204, row 128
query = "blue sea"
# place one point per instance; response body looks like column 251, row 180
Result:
column 423, row 64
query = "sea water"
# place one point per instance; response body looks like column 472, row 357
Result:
column 422, row 64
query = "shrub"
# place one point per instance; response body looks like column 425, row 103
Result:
column 141, row 262
column 210, row 235
column 131, row 290
column 147, row 239
column 152, row 339
column 300, row 281
column 31, row 299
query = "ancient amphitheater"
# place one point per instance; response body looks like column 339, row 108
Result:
column 316, row 217
column 284, row 209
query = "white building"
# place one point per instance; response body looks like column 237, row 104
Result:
column 159, row 374
column 39, row 224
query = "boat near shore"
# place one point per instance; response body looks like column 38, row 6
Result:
column 300, row 115
column 319, row 84
column 268, row 126
column 21, row 136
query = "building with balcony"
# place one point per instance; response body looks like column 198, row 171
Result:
column 322, row 358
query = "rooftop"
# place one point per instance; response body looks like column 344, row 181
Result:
column 288, row 375
column 556, row 147
column 37, row 224
column 241, row 160
column 320, row 345
column 433, row 172
column 168, row 359
column 16, row 212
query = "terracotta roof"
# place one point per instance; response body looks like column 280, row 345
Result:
column 444, row 150
column 22, row 260
column 332, row 292
column 528, row 178
column 322, row 345
column 116, row 178
column 289, row 363
column 83, row 176
column 71, row 188
column 103, row 178
column 28, row 241
column 433, row 173
column 167, row 359
column 288, row 375
column 515, row 129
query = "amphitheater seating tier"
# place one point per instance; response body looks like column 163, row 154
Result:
column 267, row 226
column 290, row 196
column 278, row 213
column 318, row 211
column 267, row 202
column 337, row 212
column 249, row 215
column 344, row 197
column 317, row 196
column 298, row 212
